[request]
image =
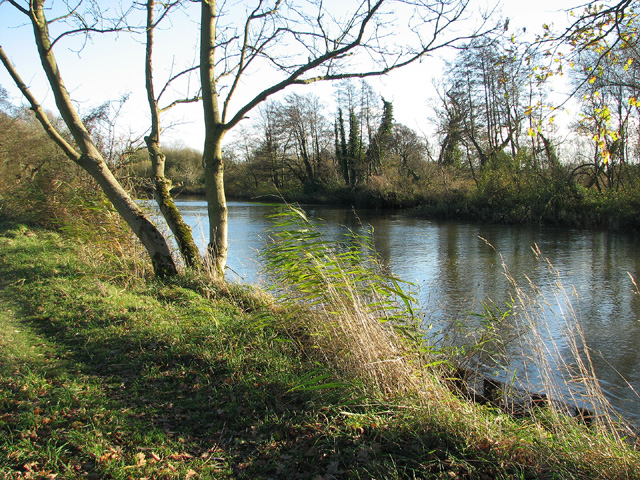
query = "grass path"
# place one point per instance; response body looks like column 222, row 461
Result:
column 155, row 381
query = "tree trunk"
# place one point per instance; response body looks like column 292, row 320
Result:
column 161, row 184
column 214, row 133
column 162, row 195
column 217, row 205
column 91, row 159
column 153, row 241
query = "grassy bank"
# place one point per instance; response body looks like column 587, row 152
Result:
column 106, row 373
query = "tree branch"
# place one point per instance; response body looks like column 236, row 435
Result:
column 38, row 110
column 339, row 50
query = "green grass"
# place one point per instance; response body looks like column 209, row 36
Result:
column 105, row 373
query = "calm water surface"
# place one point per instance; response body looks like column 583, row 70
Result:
column 458, row 265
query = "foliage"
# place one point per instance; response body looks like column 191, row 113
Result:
column 39, row 184
column 353, row 308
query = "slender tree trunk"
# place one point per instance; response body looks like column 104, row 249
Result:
column 214, row 133
column 90, row 158
column 161, row 184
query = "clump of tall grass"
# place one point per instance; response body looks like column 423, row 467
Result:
column 555, row 357
column 355, row 316
column 360, row 324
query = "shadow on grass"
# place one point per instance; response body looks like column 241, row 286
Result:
column 139, row 385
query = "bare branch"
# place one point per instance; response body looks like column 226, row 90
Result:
column 174, row 78
column 38, row 110
column 365, row 37
column 193, row 99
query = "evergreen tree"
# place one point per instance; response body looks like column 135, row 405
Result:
column 342, row 153
column 354, row 149
column 379, row 143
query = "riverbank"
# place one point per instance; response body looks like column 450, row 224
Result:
column 548, row 204
column 107, row 373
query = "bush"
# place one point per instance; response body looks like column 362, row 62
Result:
column 40, row 185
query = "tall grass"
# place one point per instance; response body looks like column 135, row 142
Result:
column 357, row 317
column 363, row 327
column 558, row 360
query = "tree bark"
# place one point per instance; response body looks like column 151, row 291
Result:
column 90, row 158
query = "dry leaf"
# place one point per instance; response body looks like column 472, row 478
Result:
column 140, row 460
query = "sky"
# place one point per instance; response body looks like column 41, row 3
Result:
column 110, row 66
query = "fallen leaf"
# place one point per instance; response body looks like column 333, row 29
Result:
column 140, row 460
column 180, row 456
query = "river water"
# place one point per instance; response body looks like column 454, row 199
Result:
column 458, row 265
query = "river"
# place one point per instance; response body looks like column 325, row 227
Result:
column 457, row 265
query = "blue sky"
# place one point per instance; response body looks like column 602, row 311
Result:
column 111, row 66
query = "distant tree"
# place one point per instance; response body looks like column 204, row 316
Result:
column 451, row 126
column 484, row 101
column 355, row 150
column 379, row 142
column 406, row 145
column 341, row 151
column 306, row 133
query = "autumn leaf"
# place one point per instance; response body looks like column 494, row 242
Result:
column 140, row 460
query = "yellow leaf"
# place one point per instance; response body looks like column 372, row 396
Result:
column 140, row 460
column 532, row 132
column 592, row 79
column 633, row 101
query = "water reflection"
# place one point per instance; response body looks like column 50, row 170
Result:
column 459, row 265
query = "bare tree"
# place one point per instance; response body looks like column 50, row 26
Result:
column 87, row 155
column 409, row 148
column 306, row 133
column 484, row 100
column 301, row 43
column 161, row 184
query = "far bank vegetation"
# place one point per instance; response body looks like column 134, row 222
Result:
column 494, row 152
